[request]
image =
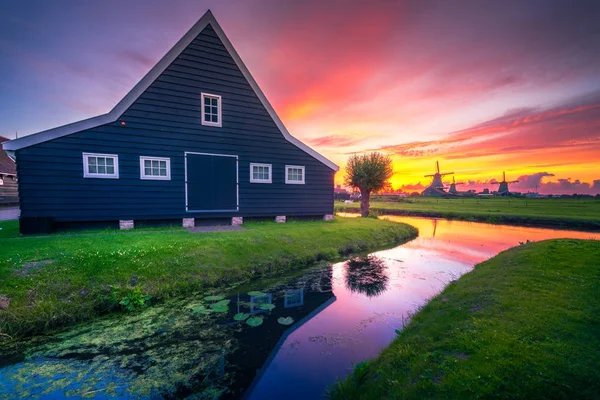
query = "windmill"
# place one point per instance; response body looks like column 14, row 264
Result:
column 453, row 186
column 503, row 188
column 437, row 186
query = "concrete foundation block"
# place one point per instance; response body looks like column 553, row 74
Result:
column 189, row 222
column 328, row 217
column 237, row 221
column 280, row 219
column 126, row 224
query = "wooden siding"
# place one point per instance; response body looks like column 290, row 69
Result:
column 166, row 122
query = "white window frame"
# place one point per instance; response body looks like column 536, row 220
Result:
column 252, row 180
column 219, row 123
column 154, row 177
column 295, row 182
column 87, row 174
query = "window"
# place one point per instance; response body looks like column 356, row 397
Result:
column 293, row 298
column 155, row 168
column 257, row 301
column 100, row 165
column 260, row 173
column 211, row 109
column 294, row 174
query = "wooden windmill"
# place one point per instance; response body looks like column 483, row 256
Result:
column 503, row 188
column 453, row 186
column 437, row 186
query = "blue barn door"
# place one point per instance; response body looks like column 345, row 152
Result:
column 211, row 182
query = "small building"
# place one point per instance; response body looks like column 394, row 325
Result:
column 9, row 195
column 195, row 140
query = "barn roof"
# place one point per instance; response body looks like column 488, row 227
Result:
column 7, row 165
column 113, row 115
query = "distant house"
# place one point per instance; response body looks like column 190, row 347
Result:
column 9, row 194
column 195, row 140
column 340, row 194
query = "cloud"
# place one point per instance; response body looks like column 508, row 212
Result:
column 531, row 181
column 334, row 141
column 418, row 187
column 568, row 186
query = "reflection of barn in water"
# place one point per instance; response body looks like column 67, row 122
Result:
column 301, row 299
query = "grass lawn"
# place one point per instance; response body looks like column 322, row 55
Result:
column 55, row 280
column 525, row 324
column 494, row 209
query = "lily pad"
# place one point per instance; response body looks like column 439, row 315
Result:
column 286, row 320
column 241, row 316
column 267, row 306
column 222, row 303
column 254, row 321
column 220, row 308
column 214, row 298
column 202, row 310
column 257, row 294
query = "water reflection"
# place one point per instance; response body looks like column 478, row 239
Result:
column 358, row 326
column 367, row 275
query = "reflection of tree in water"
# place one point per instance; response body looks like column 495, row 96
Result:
column 366, row 275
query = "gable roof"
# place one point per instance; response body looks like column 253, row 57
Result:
column 7, row 165
column 114, row 114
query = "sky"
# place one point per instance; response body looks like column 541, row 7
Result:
column 480, row 86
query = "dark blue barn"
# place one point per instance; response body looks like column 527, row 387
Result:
column 195, row 140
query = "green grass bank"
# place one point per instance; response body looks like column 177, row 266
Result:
column 549, row 212
column 523, row 325
column 51, row 281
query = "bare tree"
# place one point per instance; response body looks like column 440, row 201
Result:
column 368, row 173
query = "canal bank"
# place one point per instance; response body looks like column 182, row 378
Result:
column 341, row 314
column 521, row 325
column 52, row 281
column 555, row 213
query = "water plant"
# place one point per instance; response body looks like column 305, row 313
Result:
column 241, row 316
column 286, row 320
column 257, row 294
column 220, row 306
column 214, row 298
column 267, row 306
column 129, row 298
column 201, row 309
column 254, row 321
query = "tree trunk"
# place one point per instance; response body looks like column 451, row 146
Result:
column 365, row 198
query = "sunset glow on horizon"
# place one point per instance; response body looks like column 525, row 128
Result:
column 481, row 87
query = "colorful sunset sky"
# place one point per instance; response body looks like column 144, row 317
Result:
column 480, row 86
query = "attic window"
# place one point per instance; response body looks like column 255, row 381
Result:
column 211, row 109
column 100, row 166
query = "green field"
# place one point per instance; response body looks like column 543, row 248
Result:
column 50, row 281
column 569, row 212
column 523, row 325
